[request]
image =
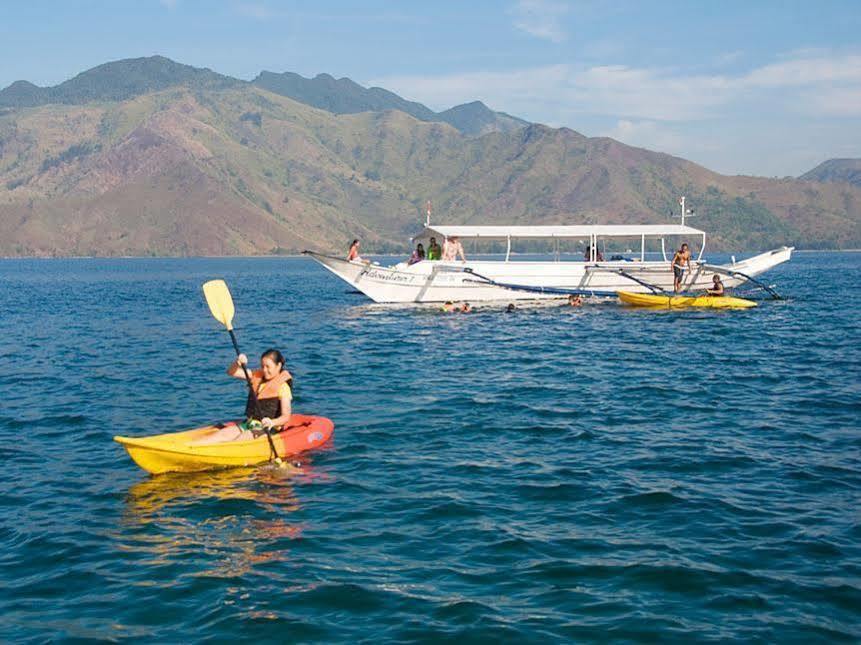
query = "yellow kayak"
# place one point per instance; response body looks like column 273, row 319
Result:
column 714, row 302
column 176, row 452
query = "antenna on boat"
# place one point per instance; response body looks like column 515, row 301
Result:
column 689, row 212
column 427, row 217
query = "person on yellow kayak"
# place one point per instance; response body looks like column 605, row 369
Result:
column 717, row 287
column 271, row 384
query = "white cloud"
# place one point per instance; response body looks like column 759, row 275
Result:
column 836, row 102
column 818, row 86
column 540, row 18
column 806, row 71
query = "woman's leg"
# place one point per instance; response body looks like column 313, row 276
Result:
column 230, row 432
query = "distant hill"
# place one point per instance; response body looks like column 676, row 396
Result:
column 343, row 96
column 212, row 167
column 848, row 170
column 339, row 96
column 477, row 118
column 115, row 81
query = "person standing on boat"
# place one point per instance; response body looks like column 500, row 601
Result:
column 717, row 287
column 271, row 405
column 680, row 260
column 353, row 253
column 434, row 250
column 451, row 249
column 418, row 255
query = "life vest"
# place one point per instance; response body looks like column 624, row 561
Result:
column 268, row 403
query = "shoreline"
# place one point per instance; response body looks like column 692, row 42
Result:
column 301, row 255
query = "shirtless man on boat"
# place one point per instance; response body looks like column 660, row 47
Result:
column 451, row 249
column 680, row 259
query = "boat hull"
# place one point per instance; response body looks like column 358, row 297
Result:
column 175, row 452
column 483, row 281
column 678, row 302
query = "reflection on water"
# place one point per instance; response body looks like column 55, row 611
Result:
column 222, row 514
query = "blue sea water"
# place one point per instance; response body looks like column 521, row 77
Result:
column 554, row 474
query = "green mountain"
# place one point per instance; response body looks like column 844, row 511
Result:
column 339, row 96
column 848, row 170
column 115, row 81
column 343, row 96
column 231, row 168
column 476, row 118
column 125, row 79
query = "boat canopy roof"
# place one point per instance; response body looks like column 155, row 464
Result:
column 551, row 232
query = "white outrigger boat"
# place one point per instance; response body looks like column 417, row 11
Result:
column 514, row 279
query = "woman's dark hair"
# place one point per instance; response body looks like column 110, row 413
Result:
column 420, row 247
column 354, row 242
column 275, row 356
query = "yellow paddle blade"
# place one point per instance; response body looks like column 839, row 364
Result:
column 220, row 303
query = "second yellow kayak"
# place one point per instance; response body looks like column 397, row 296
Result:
column 667, row 302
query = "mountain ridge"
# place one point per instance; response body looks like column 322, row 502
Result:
column 124, row 79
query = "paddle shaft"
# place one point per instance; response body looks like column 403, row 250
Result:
column 253, row 394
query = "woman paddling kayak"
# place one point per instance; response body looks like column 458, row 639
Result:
column 272, row 408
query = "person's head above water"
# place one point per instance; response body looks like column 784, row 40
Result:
column 510, row 307
column 271, row 363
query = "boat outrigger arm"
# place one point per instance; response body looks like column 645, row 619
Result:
column 573, row 292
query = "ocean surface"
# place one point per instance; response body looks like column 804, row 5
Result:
column 550, row 475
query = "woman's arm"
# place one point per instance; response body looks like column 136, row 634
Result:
column 235, row 368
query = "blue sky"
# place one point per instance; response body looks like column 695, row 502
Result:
column 765, row 88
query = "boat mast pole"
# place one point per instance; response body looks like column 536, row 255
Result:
column 427, row 217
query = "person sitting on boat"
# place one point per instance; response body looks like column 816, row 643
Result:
column 418, row 255
column 434, row 250
column 681, row 259
column 717, row 287
column 353, row 253
column 272, row 386
column 451, row 249
column 587, row 254
column 574, row 300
